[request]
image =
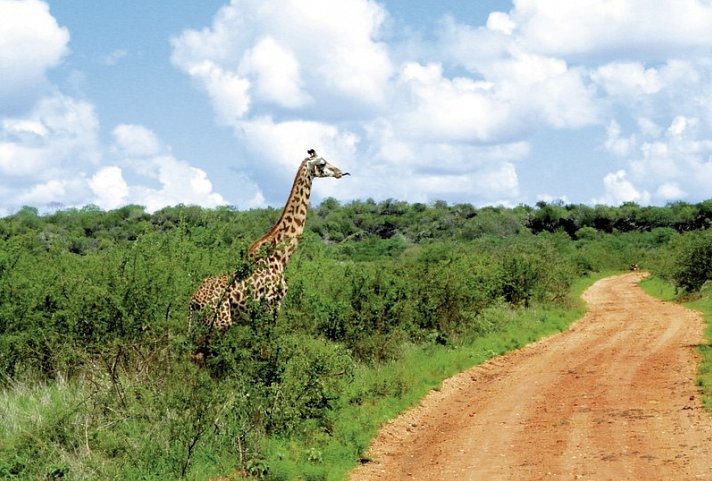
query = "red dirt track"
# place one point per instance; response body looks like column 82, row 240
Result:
column 613, row 398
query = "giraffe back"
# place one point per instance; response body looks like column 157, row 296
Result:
column 221, row 301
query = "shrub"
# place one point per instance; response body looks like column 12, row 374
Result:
column 692, row 266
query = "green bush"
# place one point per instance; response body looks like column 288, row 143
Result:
column 692, row 265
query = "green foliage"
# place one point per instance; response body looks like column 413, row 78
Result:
column 96, row 363
column 435, row 292
column 693, row 261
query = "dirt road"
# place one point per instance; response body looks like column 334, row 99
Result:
column 613, row 398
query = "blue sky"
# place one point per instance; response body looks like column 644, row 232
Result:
column 489, row 102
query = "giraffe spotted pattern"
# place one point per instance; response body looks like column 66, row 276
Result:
column 223, row 300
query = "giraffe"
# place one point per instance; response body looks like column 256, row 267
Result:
column 220, row 301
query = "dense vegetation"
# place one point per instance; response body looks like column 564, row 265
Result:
column 96, row 375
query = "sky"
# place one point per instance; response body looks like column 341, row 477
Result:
column 490, row 102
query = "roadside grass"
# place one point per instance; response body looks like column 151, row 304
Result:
column 657, row 287
column 30, row 416
column 81, row 429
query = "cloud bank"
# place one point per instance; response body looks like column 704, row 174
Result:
column 454, row 117
column 51, row 155
column 452, row 113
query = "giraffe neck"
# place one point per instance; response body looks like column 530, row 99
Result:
column 283, row 238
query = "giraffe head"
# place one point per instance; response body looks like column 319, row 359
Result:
column 319, row 167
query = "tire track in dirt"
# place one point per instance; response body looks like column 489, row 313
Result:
column 612, row 398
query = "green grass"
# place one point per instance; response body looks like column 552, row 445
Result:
column 664, row 290
column 31, row 415
column 80, row 429
column 657, row 287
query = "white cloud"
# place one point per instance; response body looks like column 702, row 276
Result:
column 109, row 188
column 669, row 191
column 531, row 89
column 139, row 150
column 637, row 64
column 671, row 163
column 500, row 22
column 616, row 144
column 286, row 51
column 618, row 189
column 50, row 148
column 485, row 184
column 43, row 194
column 594, row 27
column 669, row 146
column 31, row 42
column 442, row 109
column 653, row 92
column 427, row 171
column 550, row 199
column 326, row 80
column 228, row 91
column 337, row 42
column 450, row 116
column 648, row 128
column 53, row 156
column 276, row 72
column 679, row 124
column 135, row 140
column 628, row 79
column 180, row 183
column 275, row 149
column 58, row 133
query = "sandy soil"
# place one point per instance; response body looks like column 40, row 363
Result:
column 613, row 398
